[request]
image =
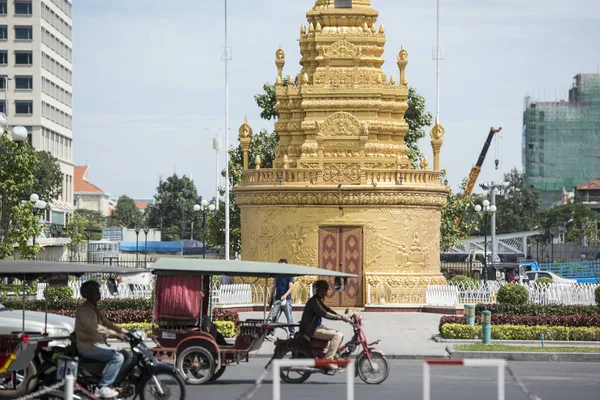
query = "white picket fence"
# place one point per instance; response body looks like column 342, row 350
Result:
column 133, row 291
column 538, row 294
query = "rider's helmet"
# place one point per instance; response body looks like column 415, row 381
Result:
column 322, row 285
column 88, row 287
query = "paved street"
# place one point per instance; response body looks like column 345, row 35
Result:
column 401, row 334
column 550, row 381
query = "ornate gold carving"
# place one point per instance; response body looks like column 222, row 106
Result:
column 424, row 163
column 342, row 49
column 245, row 130
column 341, row 124
column 341, row 172
column 438, row 131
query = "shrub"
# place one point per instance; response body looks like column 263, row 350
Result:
column 118, row 317
column 463, row 280
column 539, row 309
column 145, row 326
column 507, row 319
column 73, row 304
column 520, row 332
column 220, row 314
column 597, row 293
column 540, row 282
column 226, row 328
column 512, row 294
column 55, row 295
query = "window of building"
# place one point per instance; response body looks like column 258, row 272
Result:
column 2, row 106
column 24, row 82
column 2, row 82
column 24, row 107
column 23, row 33
column 3, row 32
column 23, row 57
column 3, row 57
column 2, row 7
column 23, row 7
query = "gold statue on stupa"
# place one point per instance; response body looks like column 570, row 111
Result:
column 342, row 194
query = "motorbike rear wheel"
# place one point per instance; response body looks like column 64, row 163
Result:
column 367, row 373
column 171, row 383
column 24, row 381
column 293, row 376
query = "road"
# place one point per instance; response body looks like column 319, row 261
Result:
column 550, row 381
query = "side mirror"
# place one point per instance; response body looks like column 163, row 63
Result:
column 347, row 311
column 112, row 286
column 339, row 283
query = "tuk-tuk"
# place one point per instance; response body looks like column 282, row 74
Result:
column 19, row 363
column 510, row 272
column 182, row 328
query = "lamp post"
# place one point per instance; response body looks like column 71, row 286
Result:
column 38, row 206
column 146, row 230
column 204, row 206
column 486, row 210
column 137, row 234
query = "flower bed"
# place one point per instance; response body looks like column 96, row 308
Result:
column 504, row 319
column 539, row 310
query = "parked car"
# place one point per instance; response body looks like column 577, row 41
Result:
column 533, row 275
column 11, row 321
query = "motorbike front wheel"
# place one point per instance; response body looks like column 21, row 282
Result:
column 172, row 386
column 376, row 373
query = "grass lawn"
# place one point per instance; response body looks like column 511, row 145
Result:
column 525, row 349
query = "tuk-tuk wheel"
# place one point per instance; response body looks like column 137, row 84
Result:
column 26, row 380
column 197, row 364
column 218, row 374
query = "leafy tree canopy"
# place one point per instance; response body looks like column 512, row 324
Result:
column 48, row 177
column 126, row 213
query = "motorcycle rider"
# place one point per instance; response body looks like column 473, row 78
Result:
column 92, row 329
column 311, row 327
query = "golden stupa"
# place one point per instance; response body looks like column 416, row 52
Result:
column 342, row 194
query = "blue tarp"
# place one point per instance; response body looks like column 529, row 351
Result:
column 153, row 247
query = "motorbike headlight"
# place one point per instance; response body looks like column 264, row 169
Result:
column 140, row 334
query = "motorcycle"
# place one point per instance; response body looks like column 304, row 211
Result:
column 140, row 374
column 371, row 365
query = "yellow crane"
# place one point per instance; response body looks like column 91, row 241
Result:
column 477, row 167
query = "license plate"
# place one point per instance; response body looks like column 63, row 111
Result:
column 66, row 366
column 169, row 335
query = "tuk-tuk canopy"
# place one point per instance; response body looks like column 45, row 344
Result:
column 179, row 266
column 32, row 269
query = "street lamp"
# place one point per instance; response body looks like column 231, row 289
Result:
column 204, row 205
column 38, row 207
column 146, row 230
column 486, row 209
column 137, row 234
column 18, row 133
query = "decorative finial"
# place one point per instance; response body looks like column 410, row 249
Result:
column 319, row 28
column 365, row 27
column 303, row 30
column 257, row 161
column 424, row 163
column 402, row 62
column 437, row 134
column 280, row 61
column 290, row 80
column 245, row 130
column 311, row 28
column 403, row 55
column 382, row 29
column 438, row 131
column 278, row 81
column 392, row 80
column 305, row 78
column 379, row 79
column 286, row 162
column 373, row 30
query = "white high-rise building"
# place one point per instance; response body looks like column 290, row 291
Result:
column 36, row 55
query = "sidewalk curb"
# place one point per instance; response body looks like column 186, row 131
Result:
column 516, row 356
column 438, row 339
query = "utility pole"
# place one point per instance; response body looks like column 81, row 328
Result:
column 226, row 58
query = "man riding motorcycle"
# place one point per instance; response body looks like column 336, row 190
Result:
column 92, row 329
column 314, row 312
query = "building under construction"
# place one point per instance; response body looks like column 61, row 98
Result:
column 561, row 140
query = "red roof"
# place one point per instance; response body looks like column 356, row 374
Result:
column 594, row 184
column 142, row 204
column 80, row 183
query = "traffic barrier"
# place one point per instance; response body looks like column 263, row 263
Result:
column 278, row 364
column 500, row 364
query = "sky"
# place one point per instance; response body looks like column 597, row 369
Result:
column 149, row 85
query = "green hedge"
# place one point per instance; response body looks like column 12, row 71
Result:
column 226, row 328
column 512, row 294
column 539, row 310
column 597, row 293
column 73, row 304
column 145, row 326
column 520, row 332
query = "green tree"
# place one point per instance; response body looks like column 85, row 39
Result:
column 417, row 118
column 95, row 221
column 18, row 225
column 48, row 177
column 126, row 213
column 173, row 211
column 518, row 204
column 75, row 230
column 456, row 207
column 578, row 221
